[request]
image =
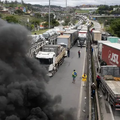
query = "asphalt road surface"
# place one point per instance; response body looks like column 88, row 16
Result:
column 61, row 82
column 97, row 25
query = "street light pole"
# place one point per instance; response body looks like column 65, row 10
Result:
column 49, row 14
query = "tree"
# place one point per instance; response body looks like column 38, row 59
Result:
column 54, row 23
column 11, row 19
column 19, row 12
column 32, row 26
column 35, row 22
column 115, row 26
column 47, row 17
column 37, row 15
column 67, row 20
column 45, row 24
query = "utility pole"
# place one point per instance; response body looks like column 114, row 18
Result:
column 49, row 14
column 66, row 3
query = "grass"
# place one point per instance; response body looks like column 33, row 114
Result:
column 82, row 11
column 40, row 31
column 19, row 17
column 76, row 21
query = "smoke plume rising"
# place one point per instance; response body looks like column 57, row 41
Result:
column 22, row 80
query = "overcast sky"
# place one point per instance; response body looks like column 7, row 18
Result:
column 72, row 2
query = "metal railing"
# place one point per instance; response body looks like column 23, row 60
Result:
column 94, row 108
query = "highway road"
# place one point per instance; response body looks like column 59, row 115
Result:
column 97, row 26
column 61, row 82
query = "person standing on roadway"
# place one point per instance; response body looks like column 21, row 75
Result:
column 68, row 51
column 93, row 87
column 74, row 75
column 79, row 52
column 98, row 81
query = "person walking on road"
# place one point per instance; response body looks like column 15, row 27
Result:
column 79, row 52
column 68, row 51
column 74, row 75
column 92, row 50
column 93, row 87
column 98, row 81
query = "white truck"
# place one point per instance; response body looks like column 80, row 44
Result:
column 110, row 85
column 96, row 35
column 51, row 57
column 64, row 40
column 73, row 36
column 82, row 35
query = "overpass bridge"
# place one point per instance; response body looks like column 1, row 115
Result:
column 105, row 16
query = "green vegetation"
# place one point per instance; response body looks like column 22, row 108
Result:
column 82, row 11
column 40, row 31
column 105, row 9
column 11, row 19
column 23, row 20
column 111, row 25
column 76, row 21
column 53, row 22
column 115, row 27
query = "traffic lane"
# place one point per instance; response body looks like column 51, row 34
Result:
column 116, row 114
column 97, row 26
column 61, row 82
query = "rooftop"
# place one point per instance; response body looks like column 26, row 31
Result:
column 64, row 36
column 113, row 45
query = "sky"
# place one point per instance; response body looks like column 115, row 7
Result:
column 72, row 2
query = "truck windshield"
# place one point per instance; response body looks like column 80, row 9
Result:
column 46, row 61
column 82, row 39
column 64, row 46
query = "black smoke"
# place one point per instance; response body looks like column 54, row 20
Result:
column 22, row 80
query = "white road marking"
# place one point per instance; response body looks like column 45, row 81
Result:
column 81, row 89
column 111, row 112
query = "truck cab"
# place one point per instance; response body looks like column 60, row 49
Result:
column 64, row 46
column 82, row 38
column 47, row 59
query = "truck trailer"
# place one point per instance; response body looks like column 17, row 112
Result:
column 111, row 53
column 51, row 57
column 73, row 36
column 99, row 45
column 64, row 40
column 110, row 85
column 96, row 35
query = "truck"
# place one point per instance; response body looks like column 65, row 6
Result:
column 64, row 40
column 82, row 38
column 99, row 46
column 110, row 85
column 37, row 42
column 111, row 53
column 51, row 36
column 113, row 39
column 51, row 57
column 73, row 36
column 96, row 35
